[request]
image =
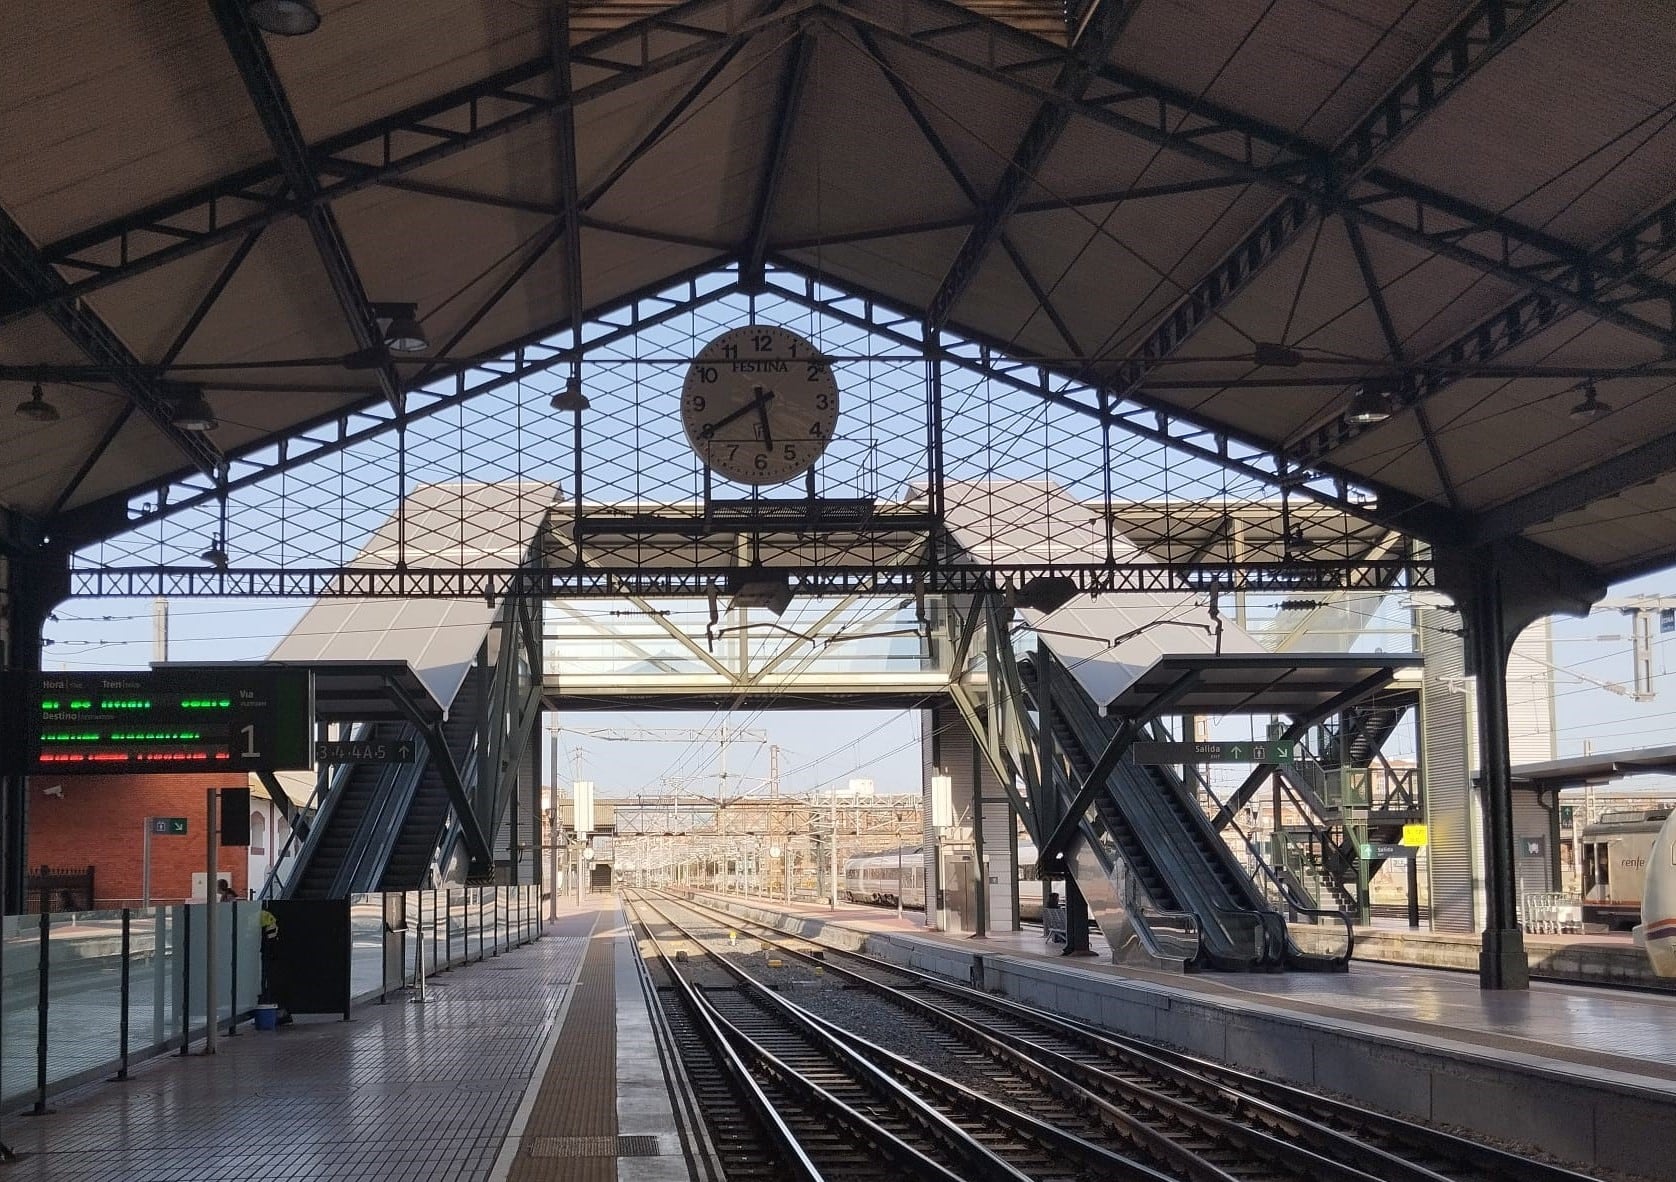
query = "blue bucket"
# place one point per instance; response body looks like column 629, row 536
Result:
column 267, row 1017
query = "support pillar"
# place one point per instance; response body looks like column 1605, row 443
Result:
column 1076, row 921
column 35, row 582
column 1500, row 590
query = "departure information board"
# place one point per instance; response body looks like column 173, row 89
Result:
column 161, row 720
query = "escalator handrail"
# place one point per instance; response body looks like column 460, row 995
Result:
column 376, row 836
column 324, row 807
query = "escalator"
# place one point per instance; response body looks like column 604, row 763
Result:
column 343, row 842
column 1145, row 816
column 421, row 835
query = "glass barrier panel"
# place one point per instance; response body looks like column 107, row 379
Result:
column 21, row 959
column 84, row 999
column 366, row 944
column 457, row 913
column 247, row 952
column 154, row 979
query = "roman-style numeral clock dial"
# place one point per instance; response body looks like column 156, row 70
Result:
column 759, row 405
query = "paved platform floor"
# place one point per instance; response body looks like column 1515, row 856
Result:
column 529, row 1043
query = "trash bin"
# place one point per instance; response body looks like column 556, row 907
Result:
column 267, row 1017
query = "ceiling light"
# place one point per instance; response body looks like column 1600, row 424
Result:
column 288, row 18
column 215, row 556
column 1367, row 406
column 192, row 412
column 571, row 397
column 37, row 409
column 402, row 331
column 1589, row 409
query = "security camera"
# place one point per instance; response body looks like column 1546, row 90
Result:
column 56, row 790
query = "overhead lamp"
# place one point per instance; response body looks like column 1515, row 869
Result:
column 571, row 397
column 215, row 556
column 402, row 331
column 1589, row 409
column 36, row 408
column 1047, row 593
column 287, row 18
column 1368, row 406
column 192, row 412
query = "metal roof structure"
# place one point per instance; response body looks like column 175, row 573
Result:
column 1578, row 770
column 1300, row 684
column 1230, row 215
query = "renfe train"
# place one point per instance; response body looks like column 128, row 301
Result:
column 1657, row 931
column 1617, row 858
column 883, row 878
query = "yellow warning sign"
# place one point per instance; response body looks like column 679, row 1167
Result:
column 1414, row 835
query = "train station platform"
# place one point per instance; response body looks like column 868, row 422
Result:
column 540, row 1063
column 1585, row 1073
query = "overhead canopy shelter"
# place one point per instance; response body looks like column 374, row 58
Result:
column 1579, row 770
column 1306, row 685
column 1231, row 218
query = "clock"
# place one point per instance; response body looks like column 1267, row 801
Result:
column 759, row 404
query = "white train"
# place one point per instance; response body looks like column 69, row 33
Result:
column 882, row 878
column 1617, row 858
column 1657, row 930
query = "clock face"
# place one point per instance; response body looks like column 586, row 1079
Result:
column 759, row 404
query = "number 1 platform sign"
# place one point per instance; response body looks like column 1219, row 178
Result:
column 204, row 719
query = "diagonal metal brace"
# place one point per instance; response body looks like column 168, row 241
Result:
column 436, row 745
column 1300, row 724
column 1071, row 819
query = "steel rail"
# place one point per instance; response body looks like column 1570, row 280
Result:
column 994, row 1111
column 1250, row 1092
column 1057, row 1070
column 735, row 1041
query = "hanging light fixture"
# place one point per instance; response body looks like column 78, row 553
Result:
column 216, row 556
column 36, row 408
column 402, row 331
column 1586, row 411
column 287, row 18
column 1368, row 406
column 192, row 411
column 571, row 397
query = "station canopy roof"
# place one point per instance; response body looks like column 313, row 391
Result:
column 1236, row 213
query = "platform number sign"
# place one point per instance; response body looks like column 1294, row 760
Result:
column 208, row 719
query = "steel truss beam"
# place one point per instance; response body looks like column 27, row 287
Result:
column 333, row 433
column 267, row 94
column 685, row 582
column 792, row 82
column 27, row 278
column 1648, row 242
column 1104, row 21
column 393, row 146
column 1160, row 422
column 1231, row 143
column 1487, row 28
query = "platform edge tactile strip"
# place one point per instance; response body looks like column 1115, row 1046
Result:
column 571, row 1134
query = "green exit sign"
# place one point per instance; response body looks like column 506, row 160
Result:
column 169, row 826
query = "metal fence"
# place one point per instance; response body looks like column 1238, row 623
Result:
column 85, row 994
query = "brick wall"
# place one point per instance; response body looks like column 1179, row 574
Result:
column 100, row 820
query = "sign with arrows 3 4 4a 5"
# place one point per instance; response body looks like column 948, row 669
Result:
column 350, row 751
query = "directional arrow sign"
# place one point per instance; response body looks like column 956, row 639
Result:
column 351, row 751
column 169, row 826
column 1270, row 752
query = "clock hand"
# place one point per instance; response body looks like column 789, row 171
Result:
column 762, row 417
column 763, row 397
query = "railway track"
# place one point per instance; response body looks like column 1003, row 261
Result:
column 1183, row 1116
